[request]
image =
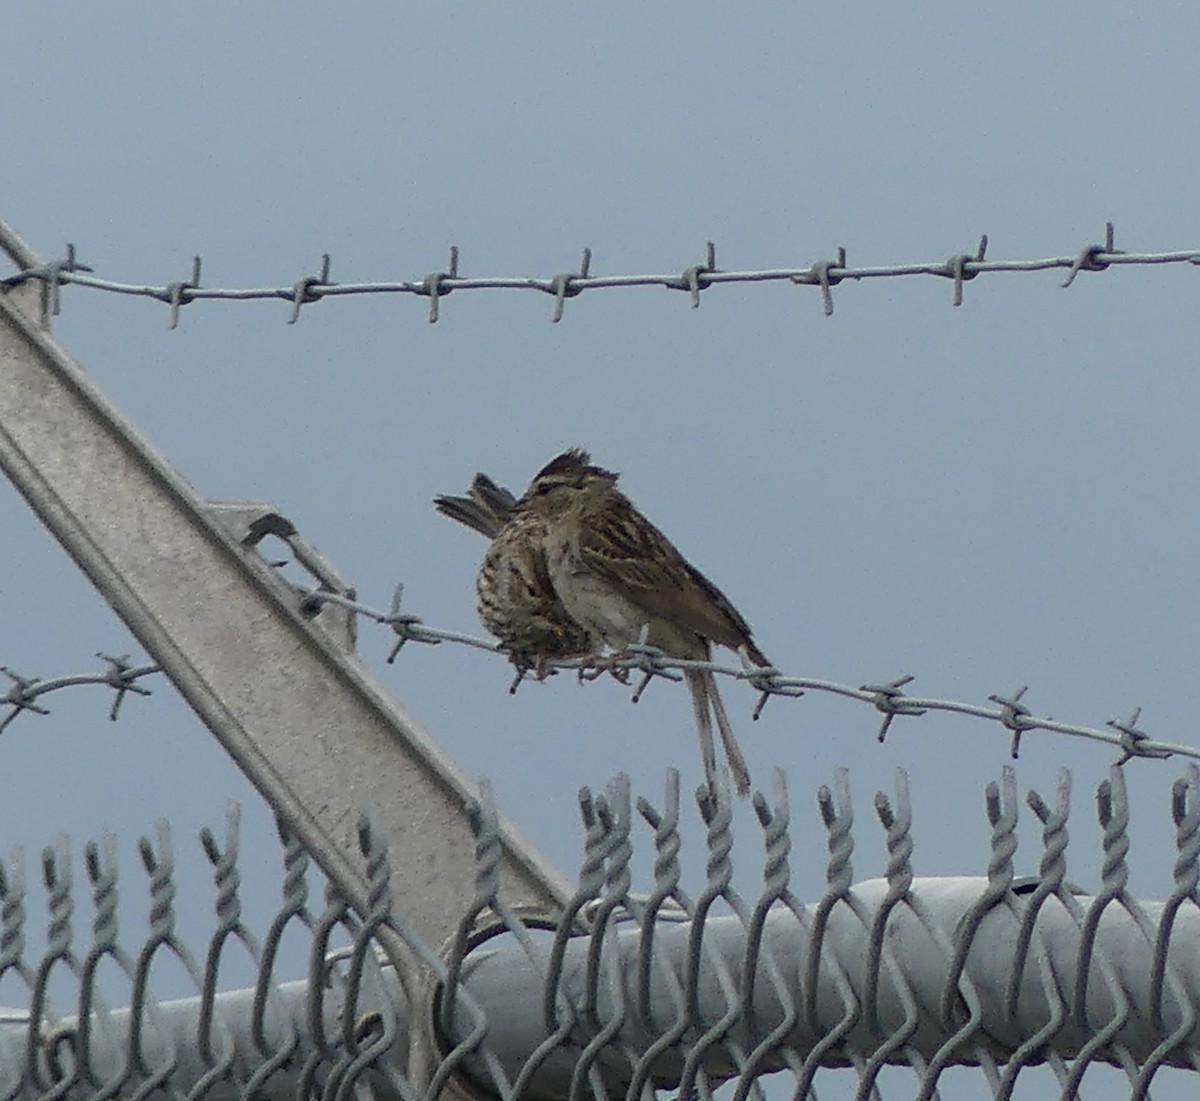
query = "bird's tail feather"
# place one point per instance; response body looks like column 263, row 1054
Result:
column 733, row 751
column 707, row 703
column 697, row 683
column 493, row 497
column 471, row 513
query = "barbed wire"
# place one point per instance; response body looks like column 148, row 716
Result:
column 822, row 275
column 887, row 697
column 119, row 675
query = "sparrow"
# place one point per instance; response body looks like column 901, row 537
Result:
column 617, row 576
column 513, row 595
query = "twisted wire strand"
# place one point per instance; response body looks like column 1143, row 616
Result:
column 102, row 872
column 1185, row 811
column 12, row 959
column 837, row 814
column 821, row 275
column 45, row 1053
column 774, row 821
column 667, row 891
column 293, row 910
column 159, row 865
column 230, row 928
column 558, row 1012
column 897, row 824
column 717, row 813
column 614, row 901
column 1001, row 806
column 1101, row 1039
column 368, row 1033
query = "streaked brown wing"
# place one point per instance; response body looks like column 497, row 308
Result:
column 621, row 546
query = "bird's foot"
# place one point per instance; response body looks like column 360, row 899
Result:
column 595, row 666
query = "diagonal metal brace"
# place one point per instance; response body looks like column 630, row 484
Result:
column 299, row 714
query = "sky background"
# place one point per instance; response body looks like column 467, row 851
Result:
column 985, row 497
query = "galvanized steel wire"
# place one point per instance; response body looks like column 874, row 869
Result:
column 887, row 697
column 632, row 993
column 118, row 674
column 822, row 275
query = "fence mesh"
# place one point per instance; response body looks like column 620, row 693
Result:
column 874, row 988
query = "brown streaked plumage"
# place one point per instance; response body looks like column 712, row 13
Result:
column 513, row 594
column 486, row 509
column 617, row 575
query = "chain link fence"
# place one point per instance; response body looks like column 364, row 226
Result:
column 874, row 988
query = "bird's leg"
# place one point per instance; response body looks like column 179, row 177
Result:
column 590, row 667
column 614, row 670
column 611, row 664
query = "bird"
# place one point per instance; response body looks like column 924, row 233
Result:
column 624, row 582
column 513, row 596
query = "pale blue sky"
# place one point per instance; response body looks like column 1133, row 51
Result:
column 985, row 497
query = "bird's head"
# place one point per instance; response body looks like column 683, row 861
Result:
column 565, row 481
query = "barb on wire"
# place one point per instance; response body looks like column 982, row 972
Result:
column 821, row 274
column 304, row 289
column 53, row 274
column 567, row 285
